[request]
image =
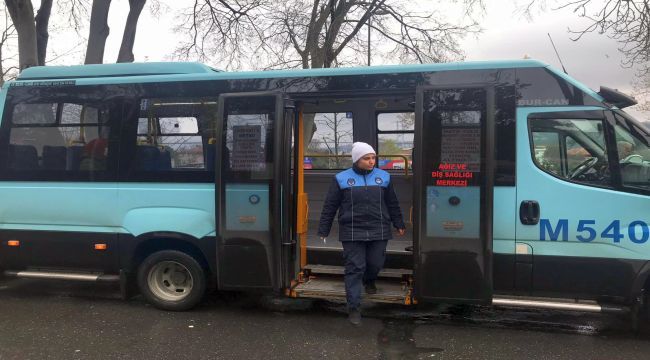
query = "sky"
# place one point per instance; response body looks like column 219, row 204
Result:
column 593, row 60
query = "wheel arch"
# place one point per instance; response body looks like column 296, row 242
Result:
column 641, row 284
column 136, row 249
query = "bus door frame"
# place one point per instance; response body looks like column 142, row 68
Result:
column 245, row 260
column 424, row 291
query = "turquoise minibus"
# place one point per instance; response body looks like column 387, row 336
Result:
column 520, row 185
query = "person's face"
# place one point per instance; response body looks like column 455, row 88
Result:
column 367, row 162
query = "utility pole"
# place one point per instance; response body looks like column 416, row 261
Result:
column 369, row 20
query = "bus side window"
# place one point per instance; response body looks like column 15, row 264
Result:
column 571, row 149
column 331, row 142
column 633, row 153
column 547, row 152
column 395, row 140
column 172, row 135
column 58, row 137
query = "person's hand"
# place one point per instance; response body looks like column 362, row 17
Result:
column 401, row 232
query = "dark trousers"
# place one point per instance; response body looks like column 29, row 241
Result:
column 363, row 261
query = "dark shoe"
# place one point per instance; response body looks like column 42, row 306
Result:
column 354, row 316
column 371, row 288
column 409, row 248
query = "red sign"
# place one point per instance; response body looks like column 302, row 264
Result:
column 452, row 175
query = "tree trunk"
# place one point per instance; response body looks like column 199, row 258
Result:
column 42, row 35
column 98, row 32
column 317, row 57
column 22, row 15
column 128, row 39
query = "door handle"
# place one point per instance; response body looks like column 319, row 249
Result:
column 529, row 212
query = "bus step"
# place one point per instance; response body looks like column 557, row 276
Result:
column 334, row 289
column 57, row 275
column 340, row 270
column 558, row 304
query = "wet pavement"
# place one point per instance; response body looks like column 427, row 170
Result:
column 62, row 320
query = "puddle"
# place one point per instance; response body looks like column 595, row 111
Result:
column 396, row 341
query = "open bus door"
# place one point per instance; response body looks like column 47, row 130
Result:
column 454, row 144
column 252, row 193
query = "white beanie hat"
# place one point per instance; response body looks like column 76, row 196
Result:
column 360, row 149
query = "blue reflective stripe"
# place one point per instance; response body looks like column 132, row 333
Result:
column 349, row 178
column 379, row 177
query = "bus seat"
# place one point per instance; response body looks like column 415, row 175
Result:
column 164, row 160
column 23, row 157
column 635, row 173
column 74, row 155
column 54, row 157
column 146, row 157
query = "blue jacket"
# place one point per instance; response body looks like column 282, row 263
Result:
column 367, row 204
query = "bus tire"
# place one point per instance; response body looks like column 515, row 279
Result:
column 171, row 280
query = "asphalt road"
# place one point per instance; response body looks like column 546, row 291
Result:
column 61, row 320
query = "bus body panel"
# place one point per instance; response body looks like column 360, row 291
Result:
column 181, row 208
column 503, row 237
column 70, row 205
column 505, row 198
column 247, row 207
column 582, row 244
column 49, row 249
column 574, row 82
column 58, row 225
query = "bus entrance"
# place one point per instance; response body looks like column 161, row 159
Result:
column 252, row 191
column 453, row 194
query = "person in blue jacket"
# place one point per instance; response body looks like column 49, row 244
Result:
column 367, row 205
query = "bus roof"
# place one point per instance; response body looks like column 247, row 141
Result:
column 186, row 68
column 113, row 70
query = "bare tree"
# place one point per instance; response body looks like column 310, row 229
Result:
column 98, row 33
column 627, row 21
column 22, row 16
column 406, row 120
column 333, row 135
column 76, row 11
column 7, row 60
column 33, row 33
column 42, row 20
column 128, row 39
column 317, row 33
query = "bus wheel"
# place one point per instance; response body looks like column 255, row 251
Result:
column 171, row 280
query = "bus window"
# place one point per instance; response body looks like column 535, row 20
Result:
column 249, row 126
column 547, row 154
column 576, row 153
column 169, row 135
column 32, row 114
column 331, row 142
column 178, row 137
column 395, row 140
column 58, row 137
column 571, row 149
column 633, row 153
